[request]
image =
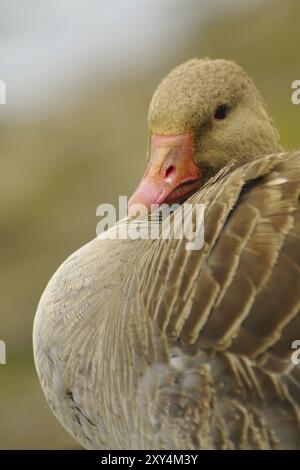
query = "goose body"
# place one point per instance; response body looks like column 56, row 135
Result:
column 142, row 344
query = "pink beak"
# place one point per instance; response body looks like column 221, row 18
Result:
column 171, row 173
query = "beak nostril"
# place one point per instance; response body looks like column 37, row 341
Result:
column 169, row 171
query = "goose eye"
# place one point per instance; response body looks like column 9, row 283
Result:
column 221, row 112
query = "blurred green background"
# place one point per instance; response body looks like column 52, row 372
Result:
column 79, row 79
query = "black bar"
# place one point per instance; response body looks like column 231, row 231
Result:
column 140, row 458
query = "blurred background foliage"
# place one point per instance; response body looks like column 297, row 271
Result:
column 62, row 154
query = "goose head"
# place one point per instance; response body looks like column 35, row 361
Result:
column 204, row 114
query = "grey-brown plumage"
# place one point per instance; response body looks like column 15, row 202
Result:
column 143, row 344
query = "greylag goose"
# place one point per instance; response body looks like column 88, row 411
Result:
column 143, row 344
